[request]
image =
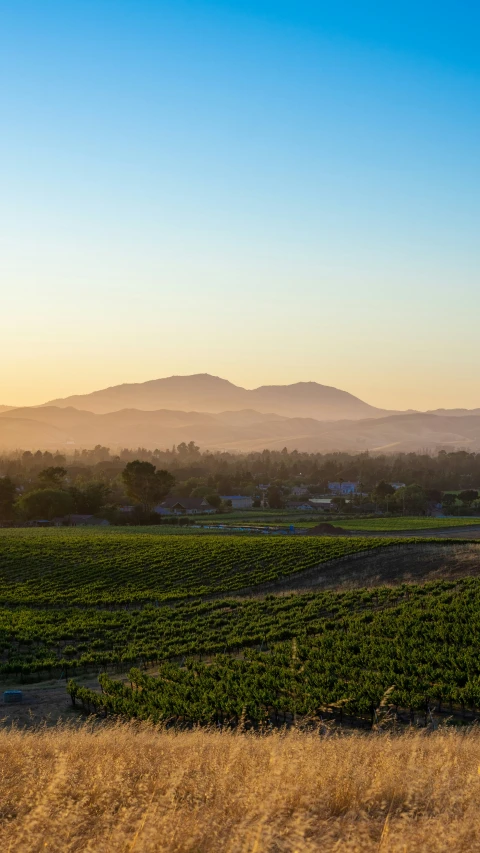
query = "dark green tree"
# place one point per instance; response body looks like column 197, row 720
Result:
column 412, row 499
column 468, row 496
column 53, row 477
column 7, row 498
column 46, row 503
column 214, row 500
column 145, row 485
column 383, row 489
column 449, row 501
column 275, row 497
column 90, row 497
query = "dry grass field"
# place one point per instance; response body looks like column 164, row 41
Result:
column 124, row 788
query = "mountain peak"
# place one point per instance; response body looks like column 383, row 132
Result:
column 203, row 392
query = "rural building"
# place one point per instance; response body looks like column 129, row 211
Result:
column 299, row 491
column 184, row 506
column 343, row 488
column 239, row 501
column 322, row 504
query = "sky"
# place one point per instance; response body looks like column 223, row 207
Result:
column 270, row 192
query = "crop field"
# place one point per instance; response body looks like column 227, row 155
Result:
column 73, row 601
column 406, row 523
column 308, row 520
column 344, row 649
column 36, row 639
column 57, row 567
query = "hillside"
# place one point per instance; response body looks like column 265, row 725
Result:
column 53, row 426
column 205, row 393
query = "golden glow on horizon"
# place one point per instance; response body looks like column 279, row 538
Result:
column 34, row 384
column 186, row 201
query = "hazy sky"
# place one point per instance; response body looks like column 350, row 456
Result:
column 270, row 192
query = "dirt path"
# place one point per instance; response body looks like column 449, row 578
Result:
column 43, row 703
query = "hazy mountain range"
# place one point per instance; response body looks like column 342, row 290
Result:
column 219, row 415
column 205, row 393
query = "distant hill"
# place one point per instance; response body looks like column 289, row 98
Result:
column 217, row 414
column 454, row 413
column 26, row 434
column 205, row 393
column 51, row 427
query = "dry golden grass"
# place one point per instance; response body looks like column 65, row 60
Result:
column 124, row 788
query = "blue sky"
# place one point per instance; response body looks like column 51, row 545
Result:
column 270, row 192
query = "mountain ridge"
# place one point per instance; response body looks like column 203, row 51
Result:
column 203, row 392
column 235, row 431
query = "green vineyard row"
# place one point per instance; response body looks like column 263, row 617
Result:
column 56, row 568
column 422, row 646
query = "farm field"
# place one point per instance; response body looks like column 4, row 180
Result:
column 300, row 654
column 77, row 601
column 406, row 523
column 303, row 520
column 70, row 566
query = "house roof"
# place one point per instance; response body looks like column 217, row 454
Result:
column 186, row 503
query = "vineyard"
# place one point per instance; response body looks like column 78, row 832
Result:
column 53, row 567
column 386, row 525
column 36, row 640
column 76, row 602
column 343, row 650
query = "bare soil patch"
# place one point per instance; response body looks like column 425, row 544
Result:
column 44, row 703
column 327, row 529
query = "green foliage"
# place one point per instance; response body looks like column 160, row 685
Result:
column 73, row 600
column 468, row 496
column 46, row 503
column 449, row 501
column 53, row 477
column 412, row 499
column 386, row 525
column 146, row 485
column 7, row 497
column 383, row 490
column 301, row 654
column 274, row 497
column 214, row 500
column 81, row 567
column 91, row 497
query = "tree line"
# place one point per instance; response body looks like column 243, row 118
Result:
column 88, row 481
